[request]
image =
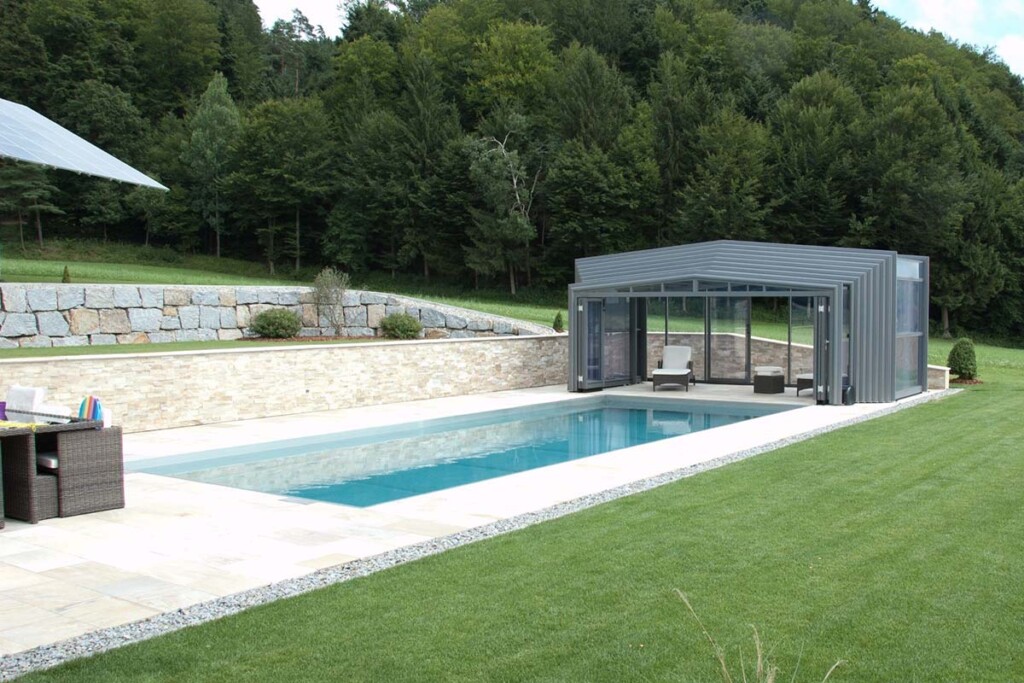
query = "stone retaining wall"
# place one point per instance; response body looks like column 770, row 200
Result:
column 79, row 315
column 162, row 390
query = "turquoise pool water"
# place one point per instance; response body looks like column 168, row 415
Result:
column 370, row 466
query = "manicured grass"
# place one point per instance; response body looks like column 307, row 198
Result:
column 25, row 270
column 893, row 544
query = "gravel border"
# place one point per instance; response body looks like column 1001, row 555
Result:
column 48, row 656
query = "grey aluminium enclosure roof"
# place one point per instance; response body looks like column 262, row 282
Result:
column 780, row 265
column 861, row 285
column 28, row 136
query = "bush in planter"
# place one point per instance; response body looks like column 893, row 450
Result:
column 559, row 324
column 276, row 323
column 962, row 360
column 400, row 326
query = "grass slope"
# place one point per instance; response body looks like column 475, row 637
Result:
column 894, row 545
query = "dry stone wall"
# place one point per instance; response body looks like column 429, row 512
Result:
column 43, row 315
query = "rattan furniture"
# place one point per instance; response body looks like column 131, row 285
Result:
column 89, row 476
column 768, row 379
column 804, row 381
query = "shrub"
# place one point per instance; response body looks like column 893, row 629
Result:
column 559, row 323
column 66, row 277
column 400, row 326
column 962, row 360
column 329, row 291
column 276, row 323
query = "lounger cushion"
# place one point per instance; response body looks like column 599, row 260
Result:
column 767, row 370
column 47, row 461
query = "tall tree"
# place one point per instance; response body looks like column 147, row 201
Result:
column 284, row 169
column 589, row 100
column 23, row 60
column 27, row 193
column 513, row 63
column 503, row 228
column 812, row 161
column 725, row 197
column 300, row 57
column 178, row 47
column 214, row 130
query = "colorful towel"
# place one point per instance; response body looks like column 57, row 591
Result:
column 91, row 409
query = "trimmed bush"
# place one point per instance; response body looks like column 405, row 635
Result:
column 66, row 277
column 276, row 323
column 559, row 323
column 400, row 326
column 962, row 360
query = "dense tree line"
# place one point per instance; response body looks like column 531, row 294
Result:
column 494, row 141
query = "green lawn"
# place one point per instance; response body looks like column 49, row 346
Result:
column 893, row 544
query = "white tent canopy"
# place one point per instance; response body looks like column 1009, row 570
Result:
column 28, row 136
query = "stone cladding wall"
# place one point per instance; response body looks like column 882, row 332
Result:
column 37, row 315
column 161, row 390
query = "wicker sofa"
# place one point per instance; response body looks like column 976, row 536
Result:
column 88, row 475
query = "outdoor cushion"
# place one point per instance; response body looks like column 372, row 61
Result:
column 47, row 461
column 767, row 370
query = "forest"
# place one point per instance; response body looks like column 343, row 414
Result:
column 492, row 142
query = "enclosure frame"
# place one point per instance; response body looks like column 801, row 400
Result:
column 880, row 296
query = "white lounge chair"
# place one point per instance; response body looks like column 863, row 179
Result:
column 675, row 368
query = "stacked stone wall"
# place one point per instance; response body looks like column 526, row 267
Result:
column 161, row 390
column 43, row 315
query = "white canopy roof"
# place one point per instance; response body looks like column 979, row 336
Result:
column 28, row 136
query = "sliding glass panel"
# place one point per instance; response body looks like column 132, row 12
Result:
column 729, row 336
column 769, row 332
column 908, row 378
column 615, row 340
column 686, row 328
column 801, row 316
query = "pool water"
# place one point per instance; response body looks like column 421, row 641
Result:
column 371, row 466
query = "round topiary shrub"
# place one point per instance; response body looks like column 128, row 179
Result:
column 962, row 361
column 276, row 323
column 400, row 326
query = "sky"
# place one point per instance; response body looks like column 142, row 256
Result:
column 319, row 12
column 998, row 24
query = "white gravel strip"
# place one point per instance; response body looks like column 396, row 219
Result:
column 48, row 656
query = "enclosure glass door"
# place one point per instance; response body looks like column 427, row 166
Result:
column 727, row 342
column 607, row 342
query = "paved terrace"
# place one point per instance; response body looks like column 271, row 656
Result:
column 180, row 544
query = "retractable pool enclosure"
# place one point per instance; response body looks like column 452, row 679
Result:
column 845, row 325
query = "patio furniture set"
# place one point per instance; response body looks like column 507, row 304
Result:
column 677, row 368
column 70, row 468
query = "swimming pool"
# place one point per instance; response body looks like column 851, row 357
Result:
column 370, row 466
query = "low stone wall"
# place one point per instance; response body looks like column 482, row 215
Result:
column 162, row 390
column 40, row 315
column 938, row 378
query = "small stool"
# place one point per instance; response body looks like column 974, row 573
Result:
column 768, row 379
